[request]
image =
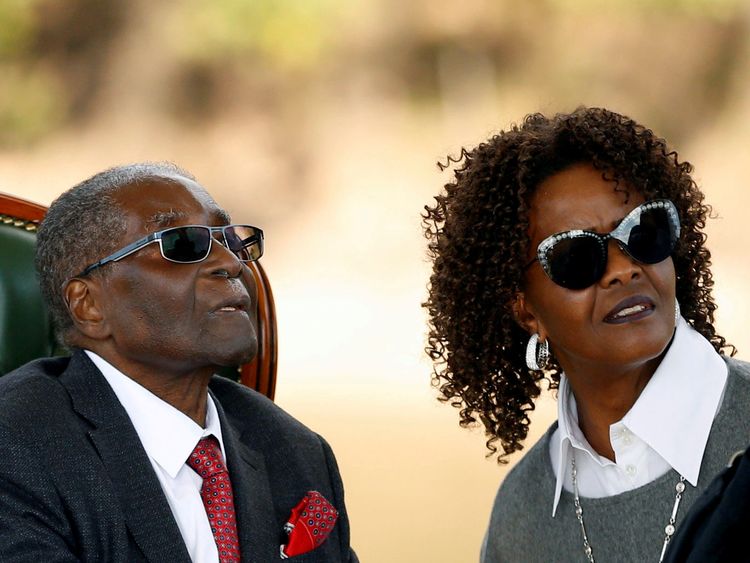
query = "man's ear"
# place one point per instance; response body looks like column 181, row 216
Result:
column 83, row 298
column 525, row 316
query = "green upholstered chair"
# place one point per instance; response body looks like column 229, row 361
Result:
column 26, row 331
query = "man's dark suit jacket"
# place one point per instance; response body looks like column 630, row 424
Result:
column 717, row 527
column 77, row 485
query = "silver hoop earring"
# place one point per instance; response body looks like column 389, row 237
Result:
column 537, row 355
column 676, row 311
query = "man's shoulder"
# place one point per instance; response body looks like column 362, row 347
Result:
column 248, row 408
column 41, row 368
column 32, row 389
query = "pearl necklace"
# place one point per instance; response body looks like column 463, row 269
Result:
column 668, row 530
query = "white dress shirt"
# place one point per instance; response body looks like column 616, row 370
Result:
column 666, row 428
column 169, row 436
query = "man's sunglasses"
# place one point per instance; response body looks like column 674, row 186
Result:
column 192, row 243
column 577, row 259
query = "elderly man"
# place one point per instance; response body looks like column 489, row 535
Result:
column 132, row 449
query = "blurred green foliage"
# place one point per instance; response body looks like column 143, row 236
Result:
column 52, row 58
column 17, row 23
column 286, row 34
column 29, row 104
column 703, row 8
column 29, row 93
column 56, row 56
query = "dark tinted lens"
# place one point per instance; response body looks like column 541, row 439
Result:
column 653, row 239
column 576, row 263
column 186, row 244
column 245, row 241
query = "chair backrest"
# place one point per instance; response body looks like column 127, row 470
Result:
column 26, row 332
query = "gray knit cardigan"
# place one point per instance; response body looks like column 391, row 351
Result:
column 628, row 527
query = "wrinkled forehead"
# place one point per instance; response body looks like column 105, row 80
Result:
column 159, row 202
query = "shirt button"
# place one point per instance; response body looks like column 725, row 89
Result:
column 627, row 439
column 631, row 470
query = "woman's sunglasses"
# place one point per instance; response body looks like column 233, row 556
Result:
column 192, row 243
column 577, row 259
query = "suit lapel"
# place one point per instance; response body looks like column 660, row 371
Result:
column 256, row 523
column 145, row 509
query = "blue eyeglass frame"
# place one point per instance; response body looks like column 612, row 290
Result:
column 157, row 237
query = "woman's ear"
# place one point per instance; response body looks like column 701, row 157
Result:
column 524, row 314
column 84, row 306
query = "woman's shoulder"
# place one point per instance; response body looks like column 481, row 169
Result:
column 532, row 478
column 522, row 503
column 738, row 367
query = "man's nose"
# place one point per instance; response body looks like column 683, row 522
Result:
column 223, row 260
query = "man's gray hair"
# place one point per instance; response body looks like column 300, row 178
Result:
column 84, row 225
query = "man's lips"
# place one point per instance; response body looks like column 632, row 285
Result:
column 630, row 309
column 233, row 305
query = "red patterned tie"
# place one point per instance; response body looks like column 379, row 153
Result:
column 216, row 493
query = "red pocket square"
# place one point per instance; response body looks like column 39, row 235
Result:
column 309, row 524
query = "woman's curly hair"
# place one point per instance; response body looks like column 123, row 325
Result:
column 478, row 241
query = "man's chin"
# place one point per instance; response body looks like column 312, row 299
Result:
column 237, row 356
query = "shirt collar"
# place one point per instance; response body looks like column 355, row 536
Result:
column 167, row 434
column 673, row 413
column 567, row 426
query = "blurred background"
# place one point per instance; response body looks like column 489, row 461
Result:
column 322, row 122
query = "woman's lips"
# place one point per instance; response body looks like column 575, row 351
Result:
column 631, row 309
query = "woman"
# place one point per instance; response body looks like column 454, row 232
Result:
column 569, row 252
